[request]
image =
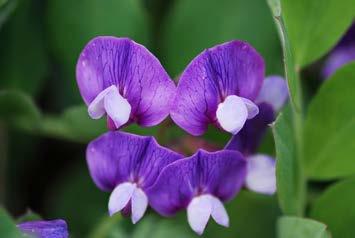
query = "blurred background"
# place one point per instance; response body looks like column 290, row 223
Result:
column 42, row 143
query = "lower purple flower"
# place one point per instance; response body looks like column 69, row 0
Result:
column 45, row 229
column 127, row 165
column 200, row 184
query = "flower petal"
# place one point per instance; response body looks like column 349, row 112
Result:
column 139, row 205
column 198, row 213
column 274, row 92
column 45, row 229
column 252, row 108
column 96, row 108
column 117, row 157
column 249, row 138
column 137, row 74
column 117, row 108
column 232, row 68
column 120, row 197
column 219, row 213
column 261, row 175
column 220, row 174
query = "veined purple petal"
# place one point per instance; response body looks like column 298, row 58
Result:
column 274, row 92
column 118, row 157
column 137, row 74
column 220, row 174
column 45, row 229
column 232, row 68
column 249, row 138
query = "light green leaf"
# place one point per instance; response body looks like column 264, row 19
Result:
column 335, row 207
column 290, row 181
column 295, row 227
column 315, row 26
column 7, row 226
column 192, row 26
column 72, row 24
column 330, row 128
column 18, row 109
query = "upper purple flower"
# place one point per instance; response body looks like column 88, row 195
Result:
column 218, row 87
column 343, row 53
column 199, row 183
column 120, row 78
column 45, row 229
column 127, row 165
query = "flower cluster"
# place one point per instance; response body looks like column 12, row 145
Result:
column 223, row 86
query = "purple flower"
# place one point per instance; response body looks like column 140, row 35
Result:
column 261, row 168
column 199, row 183
column 343, row 53
column 127, row 165
column 122, row 79
column 218, row 87
column 45, row 229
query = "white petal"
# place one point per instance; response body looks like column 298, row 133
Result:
column 261, row 176
column 274, row 92
column 219, row 213
column 120, row 197
column 232, row 114
column 117, row 107
column 252, row 108
column 198, row 213
column 139, row 204
column 96, row 108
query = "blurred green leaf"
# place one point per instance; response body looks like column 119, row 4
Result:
column 2, row 2
column 335, row 207
column 28, row 216
column 23, row 59
column 109, row 227
column 295, row 227
column 6, row 9
column 330, row 128
column 72, row 24
column 7, row 226
column 18, row 109
column 315, row 26
column 290, row 182
column 192, row 26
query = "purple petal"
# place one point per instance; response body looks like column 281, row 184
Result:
column 261, row 177
column 45, row 229
column 274, row 92
column 232, row 68
column 117, row 157
column 138, row 75
column 220, row 174
column 249, row 138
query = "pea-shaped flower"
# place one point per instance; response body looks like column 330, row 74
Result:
column 123, row 80
column 127, row 165
column 219, row 87
column 45, row 229
column 199, row 183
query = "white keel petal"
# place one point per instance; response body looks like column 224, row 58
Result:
column 117, row 107
column 198, row 213
column 139, row 204
column 96, row 108
column 120, row 197
column 219, row 213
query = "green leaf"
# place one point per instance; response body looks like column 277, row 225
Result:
column 23, row 59
column 330, row 128
column 87, row 19
column 109, row 227
column 192, row 26
column 315, row 26
column 295, row 227
column 7, row 226
column 335, row 207
column 6, row 9
column 290, row 181
column 18, row 109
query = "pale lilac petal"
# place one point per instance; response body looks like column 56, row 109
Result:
column 232, row 68
column 120, row 197
column 139, row 204
column 261, row 175
column 252, row 108
column 232, row 114
column 274, row 92
column 198, row 213
column 220, row 174
column 117, row 108
column 219, row 213
column 96, row 108
column 45, row 229
column 137, row 74
column 117, row 157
